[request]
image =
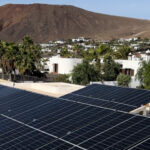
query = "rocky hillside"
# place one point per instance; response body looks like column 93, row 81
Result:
column 51, row 22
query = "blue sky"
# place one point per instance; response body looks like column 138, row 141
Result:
column 128, row 8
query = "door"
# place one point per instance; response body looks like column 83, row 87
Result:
column 55, row 68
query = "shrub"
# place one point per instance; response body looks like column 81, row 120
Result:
column 123, row 80
column 84, row 73
column 62, row 78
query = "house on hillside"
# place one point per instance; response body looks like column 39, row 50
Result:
column 60, row 42
column 80, row 39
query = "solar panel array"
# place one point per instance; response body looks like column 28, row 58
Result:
column 30, row 121
column 123, row 99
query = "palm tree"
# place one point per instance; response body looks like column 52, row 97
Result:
column 8, row 55
column 122, row 52
column 78, row 51
column 29, row 56
column 98, row 53
column 2, row 52
column 65, row 53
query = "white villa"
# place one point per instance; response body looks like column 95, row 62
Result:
column 131, row 66
column 59, row 65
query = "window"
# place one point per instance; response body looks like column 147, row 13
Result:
column 128, row 72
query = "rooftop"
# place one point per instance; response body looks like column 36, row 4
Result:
column 55, row 89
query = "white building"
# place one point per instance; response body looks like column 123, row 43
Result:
column 127, row 40
column 80, row 39
column 131, row 66
column 59, row 42
column 59, row 65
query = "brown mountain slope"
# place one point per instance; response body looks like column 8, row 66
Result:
column 50, row 22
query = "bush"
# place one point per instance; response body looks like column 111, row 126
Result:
column 143, row 75
column 123, row 80
column 62, row 78
column 111, row 69
column 84, row 73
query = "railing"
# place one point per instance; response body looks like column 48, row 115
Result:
column 23, row 78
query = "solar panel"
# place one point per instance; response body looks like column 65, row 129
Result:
column 120, row 98
column 144, row 145
column 14, row 135
column 74, row 122
column 100, row 102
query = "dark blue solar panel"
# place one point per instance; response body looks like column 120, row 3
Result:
column 127, row 98
column 144, row 145
column 100, row 102
column 14, row 136
column 129, row 134
column 81, row 120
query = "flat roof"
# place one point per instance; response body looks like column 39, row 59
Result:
column 55, row 89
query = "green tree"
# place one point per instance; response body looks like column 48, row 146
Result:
column 123, row 80
column 78, row 51
column 122, row 52
column 103, row 49
column 69, row 41
column 143, row 74
column 2, row 55
column 84, row 73
column 98, row 53
column 8, row 56
column 29, row 57
column 26, row 57
column 11, row 56
column 110, row 69
column 65, row 53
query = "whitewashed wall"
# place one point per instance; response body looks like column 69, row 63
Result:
column 65, row 65
column 132, row 64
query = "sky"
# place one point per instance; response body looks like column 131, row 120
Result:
column 128, row 8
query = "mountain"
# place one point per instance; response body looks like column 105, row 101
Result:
column 50, row 22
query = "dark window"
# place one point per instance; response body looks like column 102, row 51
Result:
column 128, row 72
